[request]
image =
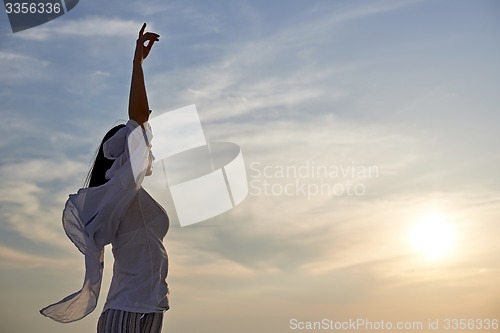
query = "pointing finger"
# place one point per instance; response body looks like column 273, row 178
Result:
column 141, row 32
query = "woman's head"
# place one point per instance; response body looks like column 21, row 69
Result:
column 96, row 175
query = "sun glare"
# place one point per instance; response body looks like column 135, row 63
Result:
column 433, row 236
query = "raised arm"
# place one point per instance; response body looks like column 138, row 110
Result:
column 138, row 107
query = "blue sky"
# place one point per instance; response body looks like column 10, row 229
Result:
column 410, row 87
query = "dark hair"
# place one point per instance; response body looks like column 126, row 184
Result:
column 96, row 174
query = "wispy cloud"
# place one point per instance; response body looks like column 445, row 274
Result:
column 14, row 259
column 17, row 68
column 343, row 14
column 88, row 27
column 231, row 86
column 33, row 194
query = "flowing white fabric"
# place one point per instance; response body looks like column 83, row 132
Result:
column 92, row 216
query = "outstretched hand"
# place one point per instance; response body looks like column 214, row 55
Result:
column 141, row 50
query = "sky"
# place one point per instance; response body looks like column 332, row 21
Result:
column 369, row 131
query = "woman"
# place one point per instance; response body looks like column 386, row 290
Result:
column 115, row 209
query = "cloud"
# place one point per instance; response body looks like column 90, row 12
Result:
column 17, row 68
column 352, row 13
column 279, row 234
column 88, row 27
column 14, row 259
column 232, row 88
column 249, row 76
column 248, row 97
column 33, row 195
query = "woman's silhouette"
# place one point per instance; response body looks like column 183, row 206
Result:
column 115, row 209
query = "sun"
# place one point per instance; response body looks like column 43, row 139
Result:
column 433, row 236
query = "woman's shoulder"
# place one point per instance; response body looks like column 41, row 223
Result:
column 115, row 145
column 132, row 124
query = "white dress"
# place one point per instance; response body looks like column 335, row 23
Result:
column 122, row 213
